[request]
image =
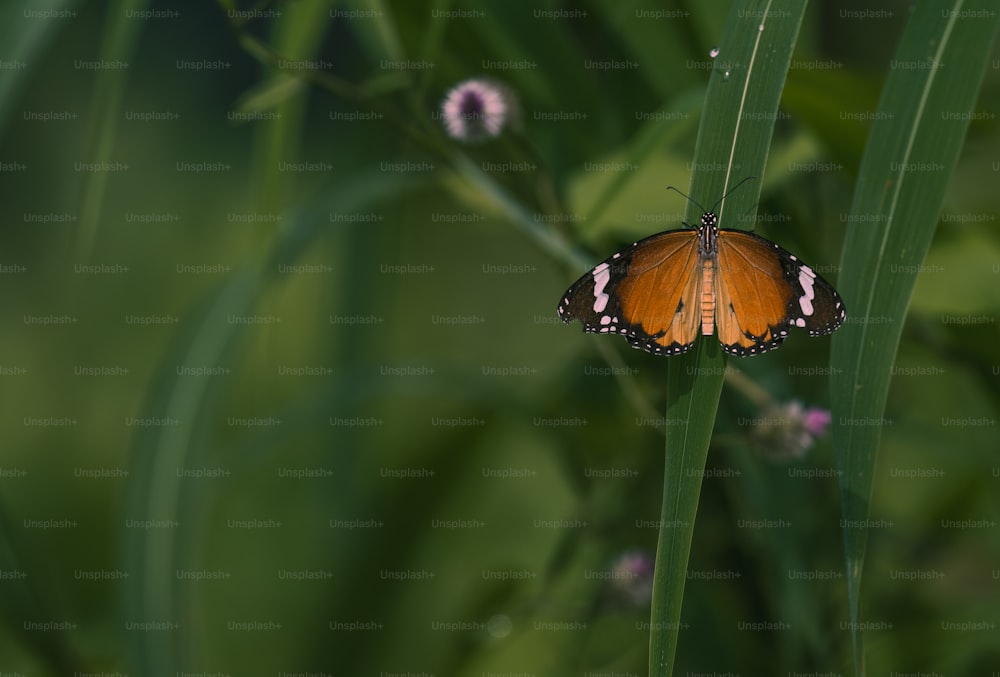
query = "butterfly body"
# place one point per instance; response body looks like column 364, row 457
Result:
column 664, row 290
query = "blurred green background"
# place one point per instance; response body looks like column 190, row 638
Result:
column 271, row 405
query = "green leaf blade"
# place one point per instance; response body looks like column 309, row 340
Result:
column 736, row 128
column 921, row 122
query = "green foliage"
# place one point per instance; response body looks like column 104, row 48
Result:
column 921, row 125
column 318, row 414
column 741, row 106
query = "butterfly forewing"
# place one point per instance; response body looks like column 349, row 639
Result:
column 752, row 294
column 648, row 292
column 764, row 291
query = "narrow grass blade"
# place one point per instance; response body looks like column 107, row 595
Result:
column 23, row 41
column 737, row 122
column 118, row 45
column 921, row 122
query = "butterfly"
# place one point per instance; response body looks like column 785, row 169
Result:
column 662, row 291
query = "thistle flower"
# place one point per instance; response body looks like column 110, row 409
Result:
column 787, row 431
column 632, row 577
column 477, row 110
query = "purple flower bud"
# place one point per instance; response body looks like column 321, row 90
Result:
column 786, row 431
column 632, row 577
column 477, row 110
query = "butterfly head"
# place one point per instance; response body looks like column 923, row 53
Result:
column 708, row 235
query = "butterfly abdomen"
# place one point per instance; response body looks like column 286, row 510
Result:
column 708, row 297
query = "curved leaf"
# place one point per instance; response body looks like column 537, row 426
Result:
column 737, row 122
column 921, row 121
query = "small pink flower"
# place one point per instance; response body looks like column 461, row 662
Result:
column 787, row 431
column 816, row 421
column 632, row 577
column 476, row 110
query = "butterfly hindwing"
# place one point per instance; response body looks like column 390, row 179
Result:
column 648, row 292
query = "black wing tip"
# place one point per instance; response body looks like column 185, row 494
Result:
column 564, row 312
column 832, row 326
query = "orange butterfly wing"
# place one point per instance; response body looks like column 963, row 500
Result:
column 660, row 291
column 762, row 291
column 648, row 292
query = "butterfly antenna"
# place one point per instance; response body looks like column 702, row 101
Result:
column 686, row 197
column 730, row 192
column 721, row 200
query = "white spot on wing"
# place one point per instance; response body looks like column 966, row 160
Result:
column 807, row 278
column 602, row 275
